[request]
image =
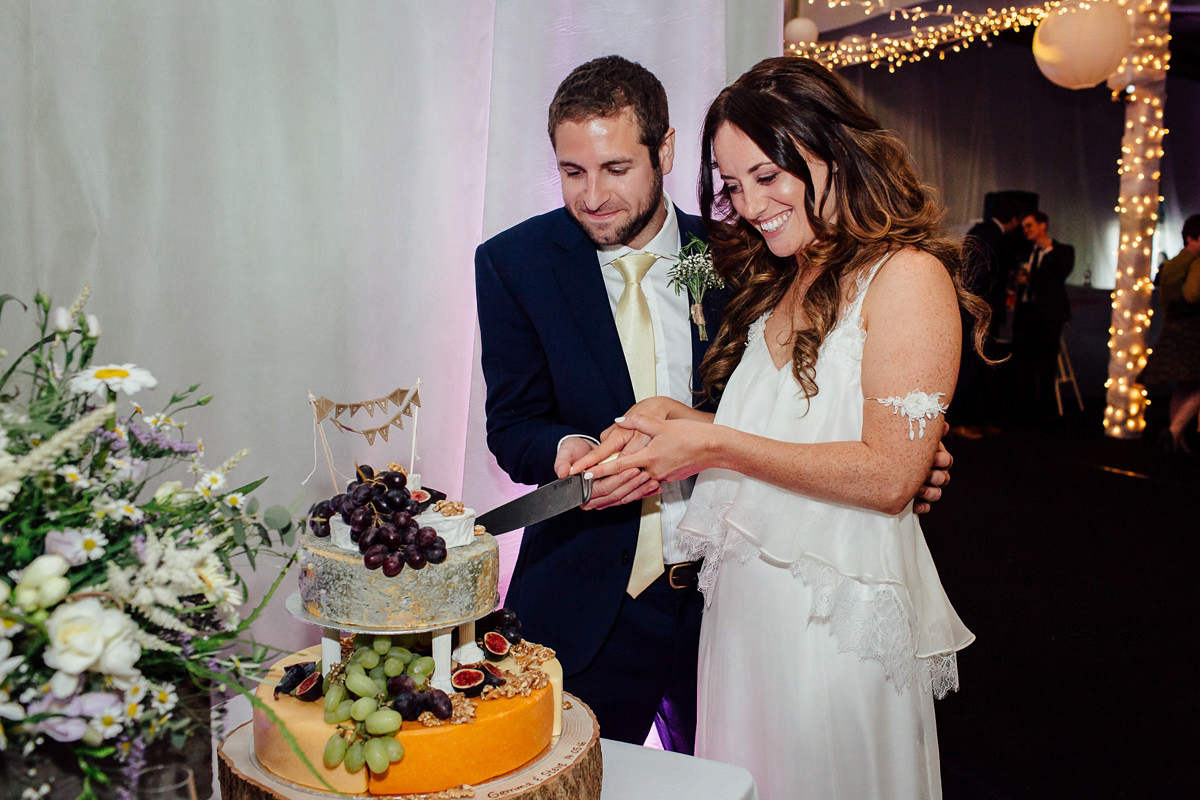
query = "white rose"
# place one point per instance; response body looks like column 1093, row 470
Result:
column 165, row 491
column 76, row 636
column 42, row 583
column 121, row 652
column 93, row 326
column 49, row 565
column 52, row 591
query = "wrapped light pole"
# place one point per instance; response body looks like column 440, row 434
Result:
column 1141, row 80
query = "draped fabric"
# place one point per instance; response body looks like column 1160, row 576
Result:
column 271, row 197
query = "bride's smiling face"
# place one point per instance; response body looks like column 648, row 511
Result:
column 765, row 195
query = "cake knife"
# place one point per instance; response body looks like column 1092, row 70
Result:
column 540, row 504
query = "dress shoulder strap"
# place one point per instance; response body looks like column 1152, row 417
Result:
column 862, row 282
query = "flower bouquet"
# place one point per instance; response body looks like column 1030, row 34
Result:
column 118, row 595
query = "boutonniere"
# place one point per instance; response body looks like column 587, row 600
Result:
column 694, row 270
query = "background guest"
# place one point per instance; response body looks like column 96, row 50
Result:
column 989, row 265
column 1041, row 310
column 1175, row 359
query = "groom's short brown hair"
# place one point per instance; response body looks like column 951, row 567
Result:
column 603, row 87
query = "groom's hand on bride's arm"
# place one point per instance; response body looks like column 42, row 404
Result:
column 939, row 476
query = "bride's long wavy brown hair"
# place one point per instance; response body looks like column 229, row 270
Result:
column 788, row 106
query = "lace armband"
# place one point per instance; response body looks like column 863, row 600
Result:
column 917, row 407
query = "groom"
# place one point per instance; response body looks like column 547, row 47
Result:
column 557, row 375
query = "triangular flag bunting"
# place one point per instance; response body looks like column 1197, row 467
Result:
column 383, row 432
column 323, row 405
column 339, row 409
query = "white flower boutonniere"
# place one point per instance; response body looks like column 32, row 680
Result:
column 694, row 270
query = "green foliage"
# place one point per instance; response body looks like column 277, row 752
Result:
column 99, row 532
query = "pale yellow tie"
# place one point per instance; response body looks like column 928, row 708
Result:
column 636, row 330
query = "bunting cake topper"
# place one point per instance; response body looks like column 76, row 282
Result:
column 405, row 402
column 392, row 408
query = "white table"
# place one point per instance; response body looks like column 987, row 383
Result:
column 630, row 772
column 643, row 773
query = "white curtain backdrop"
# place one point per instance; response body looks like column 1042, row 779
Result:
column 275, row 197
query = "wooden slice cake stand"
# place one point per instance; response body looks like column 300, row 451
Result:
column 570, row 769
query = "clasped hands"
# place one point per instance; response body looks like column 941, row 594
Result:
column 660, row 440
column 624, row 467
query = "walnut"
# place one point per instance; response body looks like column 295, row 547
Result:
column 527, row 654
column 449, row 508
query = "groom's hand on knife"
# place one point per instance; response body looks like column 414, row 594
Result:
column 625, row 486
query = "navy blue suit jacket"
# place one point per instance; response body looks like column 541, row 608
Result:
column 553, row 364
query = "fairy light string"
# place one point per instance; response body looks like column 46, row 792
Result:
column 1140, row 82
column 1143, row 76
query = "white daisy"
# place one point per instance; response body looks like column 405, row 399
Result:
column 104, row 507
column 126, row 469
column 77, row 545
column 164, row 699
column 214, row 481
column 129, row 511
column 9, row 709
column 9, row 628
column 8, row 662
column 74, row 477
column 235, row 499
column 115, row 377
column 134, row 696
column 136, row 692
column 109, row 721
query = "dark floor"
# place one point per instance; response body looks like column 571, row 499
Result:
column 1071, row 556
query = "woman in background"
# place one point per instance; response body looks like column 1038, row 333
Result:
column 827, row 633
column 1175, row 360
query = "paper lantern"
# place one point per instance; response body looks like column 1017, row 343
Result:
column 800, row 30
column 1078, row 47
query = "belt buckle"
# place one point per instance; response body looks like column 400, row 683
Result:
column 671, row 575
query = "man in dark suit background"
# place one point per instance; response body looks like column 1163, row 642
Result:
column 557, row 376
column 1041, row 310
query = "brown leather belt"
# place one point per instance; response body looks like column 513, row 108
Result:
column 684, row 575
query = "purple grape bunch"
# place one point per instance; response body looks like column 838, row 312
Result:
column 381, row 514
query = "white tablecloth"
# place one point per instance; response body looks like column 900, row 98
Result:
column 643, row 773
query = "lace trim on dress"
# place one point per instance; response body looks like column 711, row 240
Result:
column 869, row 620
column 757, row 329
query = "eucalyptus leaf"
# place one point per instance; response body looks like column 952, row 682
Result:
column 277, row 518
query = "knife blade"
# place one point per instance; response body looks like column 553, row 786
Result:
column 540, row 504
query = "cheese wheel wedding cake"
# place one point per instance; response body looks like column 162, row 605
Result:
column 420, row 686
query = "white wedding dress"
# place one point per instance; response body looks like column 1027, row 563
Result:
column 826, row 633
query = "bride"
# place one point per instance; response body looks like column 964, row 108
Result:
column 826, row 633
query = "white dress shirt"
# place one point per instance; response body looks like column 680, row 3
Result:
column 671, row 317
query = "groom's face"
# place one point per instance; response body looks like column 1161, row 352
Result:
column 609, row 184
